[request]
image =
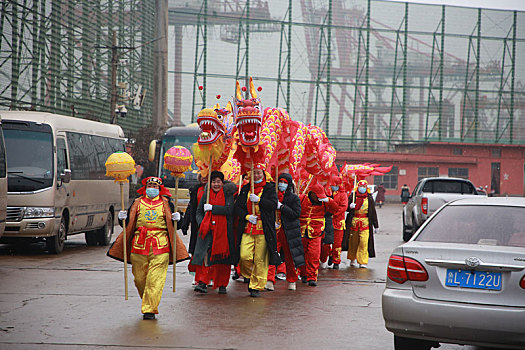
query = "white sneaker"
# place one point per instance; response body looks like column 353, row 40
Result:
column 354, row 263
column 269, row 286
column 363, row 266
column 324, row 265
column 291, row 286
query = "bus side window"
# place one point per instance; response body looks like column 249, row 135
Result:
column 61, row 156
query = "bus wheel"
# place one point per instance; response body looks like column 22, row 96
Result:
column 104, row 234
column 55, row 244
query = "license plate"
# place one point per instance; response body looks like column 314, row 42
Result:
column 473, row 279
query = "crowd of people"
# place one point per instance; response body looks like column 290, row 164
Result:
column 259, row 229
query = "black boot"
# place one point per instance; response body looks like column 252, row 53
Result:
column 330, row 261
column 312, row 283
column 222, row 290
column 148, row 316
column 254, row 293
column 335, row 267
column 235, row 276
column 201, row 287
column 303, row 279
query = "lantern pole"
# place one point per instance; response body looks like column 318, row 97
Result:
column 125, row 245
column 209, row 181
column 252, row 185
column 355, row 180
column 175, row 234
column 308, row 184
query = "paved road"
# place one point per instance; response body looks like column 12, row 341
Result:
column 76, row 300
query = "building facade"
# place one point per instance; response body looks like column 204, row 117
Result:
column 496, row 167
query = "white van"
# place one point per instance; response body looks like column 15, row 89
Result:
column 56, row 178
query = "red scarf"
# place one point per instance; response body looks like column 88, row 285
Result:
column 260, row 184
column 359, row 200
column 220, row 248
column 280, row 195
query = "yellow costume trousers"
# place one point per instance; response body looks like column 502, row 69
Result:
column 254, row 260
column 150, row 276
column 358, row 246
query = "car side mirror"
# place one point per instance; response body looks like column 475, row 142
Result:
column 66, row 176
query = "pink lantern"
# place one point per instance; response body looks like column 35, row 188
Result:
column 178, row 159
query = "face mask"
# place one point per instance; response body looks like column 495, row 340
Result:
column 257, row 181
column 152, row 192
column 361, row 189
column 282, row 186
column 335, row 188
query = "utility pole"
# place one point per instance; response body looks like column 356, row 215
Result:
column 114, row 66
column 160, row 66
column 114, row 110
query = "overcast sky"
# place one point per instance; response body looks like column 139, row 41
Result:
column 491, row 4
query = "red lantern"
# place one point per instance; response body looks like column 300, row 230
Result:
column 218, row 96
column 259, row 88
column 243, row 88
column 200, row 87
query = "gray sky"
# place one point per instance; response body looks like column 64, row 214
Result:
column 491, row 4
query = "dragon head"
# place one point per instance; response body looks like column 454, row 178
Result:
column 211, row 125
column 248, row 116
column 248, row 123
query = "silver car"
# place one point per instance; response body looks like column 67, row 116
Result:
column 461, row 278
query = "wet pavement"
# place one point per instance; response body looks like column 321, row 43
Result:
column 76, row 300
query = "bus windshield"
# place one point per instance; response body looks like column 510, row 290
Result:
column 186, row 141
column 29, row 158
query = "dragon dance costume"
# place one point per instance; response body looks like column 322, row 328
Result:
column 361, row 221
column 312, row 225
column 149, row 232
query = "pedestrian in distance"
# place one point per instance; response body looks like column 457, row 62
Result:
column 149, row 232
column 215, row 245
column 405, row 194
column 258, row 242
column 380, row 197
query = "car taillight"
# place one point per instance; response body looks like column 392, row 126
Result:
column 522, row 282
column 402, row 269
column 424, row 205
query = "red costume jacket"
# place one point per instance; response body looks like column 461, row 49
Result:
column 338, row 219
column 312, row 216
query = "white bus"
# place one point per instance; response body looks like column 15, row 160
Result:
column 56, row 178
column 3, row 182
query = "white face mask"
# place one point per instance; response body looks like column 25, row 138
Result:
column 152, row 192
column 335, row 188
column 361, row 189
column 282, row 186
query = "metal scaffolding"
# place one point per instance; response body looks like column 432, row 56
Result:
column 55, row 56
column 371, row 73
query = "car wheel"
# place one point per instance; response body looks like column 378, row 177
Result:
column 407, row 233
column 91, row 238
column 414, row 227
column 105, row 233
column 55, row 244
column 402, row 343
